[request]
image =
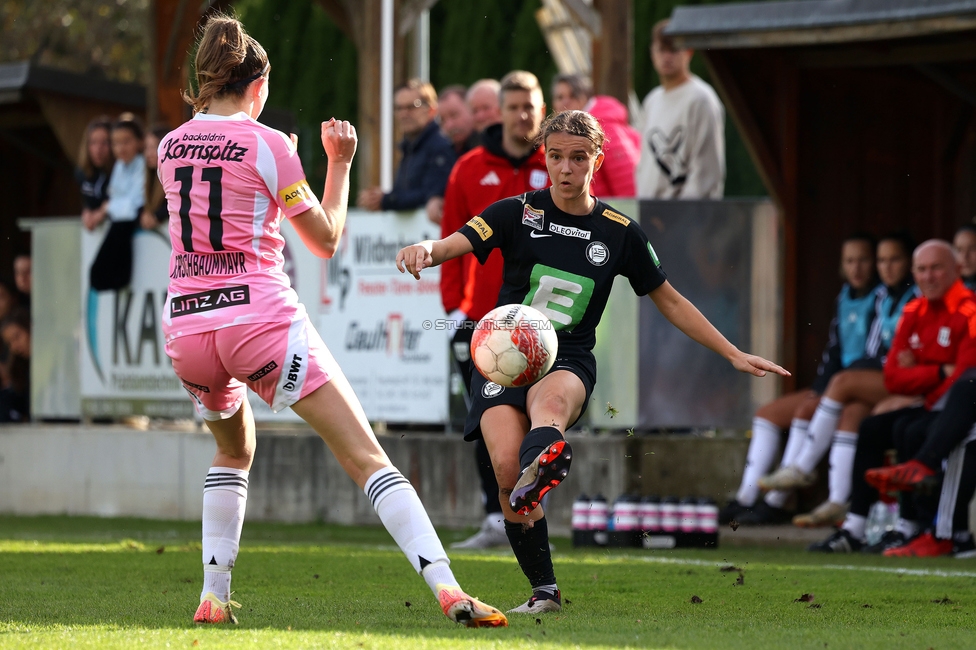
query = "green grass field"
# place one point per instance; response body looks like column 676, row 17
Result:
column 84, row 582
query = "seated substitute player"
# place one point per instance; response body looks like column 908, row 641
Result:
column 851, row 394
column 846, row 342
column 935, row 343
column 232, row 320
column 562, row 249
column 964, row 246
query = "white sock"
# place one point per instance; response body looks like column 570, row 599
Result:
column 798, row 434
column 820, row 432
column 907, row 528
column 400, row 510
column 762, row 453
column 855, row 525
column 841, row 466
column 224, row 501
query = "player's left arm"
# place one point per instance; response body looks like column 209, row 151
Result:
column 686, row 317
column 416, row 258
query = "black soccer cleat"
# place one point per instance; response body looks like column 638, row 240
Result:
column 546, row 472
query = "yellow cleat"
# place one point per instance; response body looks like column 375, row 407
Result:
column 214, row 610
column 469, row 611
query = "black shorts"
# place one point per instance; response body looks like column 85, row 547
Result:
column 486, row 394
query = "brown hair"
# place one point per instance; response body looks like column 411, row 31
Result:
column 658, row 36
column 227, row 61
column 423, row 88
column 131, row 122
column 578, row 123
column 578, row 84
column 84, row 160
column 519, row 80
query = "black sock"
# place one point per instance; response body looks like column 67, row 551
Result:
column 531, row 547
column 535, row 442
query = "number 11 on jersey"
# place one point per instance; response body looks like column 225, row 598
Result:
column 213, row 176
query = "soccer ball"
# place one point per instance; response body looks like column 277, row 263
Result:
column 514, row 345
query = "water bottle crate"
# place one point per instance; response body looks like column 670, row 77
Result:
column 645, row 522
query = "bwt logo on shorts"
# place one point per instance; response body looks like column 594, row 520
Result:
column 262, row 372
column 195, row 303
column 292, row 376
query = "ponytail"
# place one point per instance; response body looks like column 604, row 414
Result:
column 227, row 61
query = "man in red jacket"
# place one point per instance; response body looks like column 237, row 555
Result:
column 934, row 344
column 509, row 162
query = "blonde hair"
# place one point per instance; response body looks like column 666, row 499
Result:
column 227, row 61
column 423, row 88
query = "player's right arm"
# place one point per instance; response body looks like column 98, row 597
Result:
column 414, row 259
column 320, row 227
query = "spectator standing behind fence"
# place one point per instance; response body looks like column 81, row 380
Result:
column 23, row 278
column 483, row 99
column 15, row 395
column 457, row 123
column 427, row 154
column 155, row 210
column 112, row 268
column 964, row 246
column 95, row 162
column 8, row 302
column 621, row 150
column 683, row 135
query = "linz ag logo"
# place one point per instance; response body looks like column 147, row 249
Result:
column 292, row 376
column 195, row 303
column 263, row 371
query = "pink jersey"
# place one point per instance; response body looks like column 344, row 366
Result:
column 228, row 180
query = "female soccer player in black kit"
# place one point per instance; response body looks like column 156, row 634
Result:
column 562, row 249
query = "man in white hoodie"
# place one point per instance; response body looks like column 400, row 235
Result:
column 683, row 135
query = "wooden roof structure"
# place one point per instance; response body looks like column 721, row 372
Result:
column 860, row 116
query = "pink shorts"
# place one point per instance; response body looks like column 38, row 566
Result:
column 281, row 362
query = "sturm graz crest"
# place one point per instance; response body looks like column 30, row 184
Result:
column 491, row 389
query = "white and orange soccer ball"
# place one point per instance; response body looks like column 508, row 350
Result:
column 514, row 345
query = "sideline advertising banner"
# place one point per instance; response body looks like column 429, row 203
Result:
column 380, row 325
column 124, row 368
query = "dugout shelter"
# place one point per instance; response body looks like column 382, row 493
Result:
column 43, row 115
column 859, row 115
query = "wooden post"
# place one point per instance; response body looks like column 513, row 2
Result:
column 173, row 25
column 613, row 49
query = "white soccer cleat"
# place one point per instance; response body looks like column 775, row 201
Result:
column 491, row 534
column 787, row 478
column 540, row 603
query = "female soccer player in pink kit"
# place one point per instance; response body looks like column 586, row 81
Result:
column 232, row 320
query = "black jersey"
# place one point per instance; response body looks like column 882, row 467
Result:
column 563, row 264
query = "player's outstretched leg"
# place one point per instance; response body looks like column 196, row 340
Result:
column 224, row 501
column 503, row 428
column 336, row 415
column 545, row 458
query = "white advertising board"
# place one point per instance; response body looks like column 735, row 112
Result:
column 376, row 322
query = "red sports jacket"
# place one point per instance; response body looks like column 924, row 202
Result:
column 479, row 178
column 936, row 332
